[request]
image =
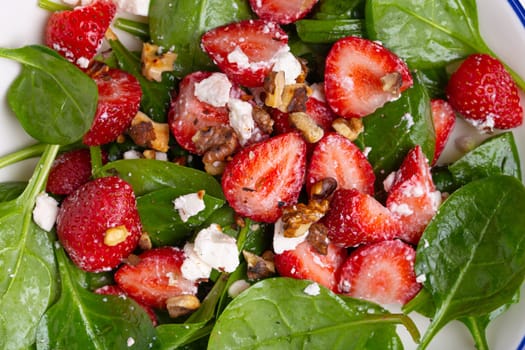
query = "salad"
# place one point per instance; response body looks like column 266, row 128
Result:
column 224, row 184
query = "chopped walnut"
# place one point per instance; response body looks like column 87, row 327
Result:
column 286, row 98
column 349, row 128
column 323, row 189
column 263, row 119
column 298, row 218
column 274, row 87
column 318, row 237
column 147, row 133
column 154, row 64
column 217, row 144
column 308, row 127
column 392, row 82
column 182, row 305
column 258, row 266
column 115, row 235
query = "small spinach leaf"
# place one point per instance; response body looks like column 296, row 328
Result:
column 328, row 31
column 336, row 9
column 11, row 190
column 63, row 98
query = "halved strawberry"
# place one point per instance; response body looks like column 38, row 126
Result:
column 361, row 75
column 485, row 94
column 412, row 196
column 245, row 50
column 282, row 11
column 99, row 225
column 382, row 272
column 444, row 119
column 264, row 177
column 119, row 95
column 304, row 262
column 77, row 34
column 357, row 218
column 156, row 277
column 69, row 171
column 316, row 109
column 113, row 289
column 337, row 157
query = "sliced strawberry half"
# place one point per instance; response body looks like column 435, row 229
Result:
column 77, row 34
column 282, row 11
column 304, row 262
column 99, row 225
column 362, row 75
column 69, row 171
column 264, row 177
column 245, row 50
column 337, row 157
column 114, row 289
column 382, row 272
column 357, row 218
column 485, row 94
column 156, row 277
column 119, row 95
column 412, row 195
column 444, row 119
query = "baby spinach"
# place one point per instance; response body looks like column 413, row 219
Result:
column 82, row 319
column 328, row 31
column 276, row 313
column 178, row 26
column 473, row 251
column 11, row 190
column 28, row 282
column 334, row 9
column 63, row 98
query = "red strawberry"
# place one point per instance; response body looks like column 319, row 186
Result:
column 337, row 157
column 381, row 272
column 283, row 12
column 357, row 218
column 317, row 110
column 264, row 177
column 412, row 196
column 304, row 262
column 119, row 95
column 77, row 34
column 444, row 120
column 116, row 290
column 99, row 225
column 69, row 171
column 156, row 277
column 245, row 50
column 362, row 75
column 485, row 94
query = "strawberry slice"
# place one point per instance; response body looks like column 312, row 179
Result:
column 304, row 262
column 485, row 94
column 264, row 177
column 99, row 225
column 337, row 157
column 119, row 95
column 156, row 277
column 280, row 11
column 77, row 34
column 382, row 272
column 113, row 289
column 357, row 218
column 362, row 75
column 444, row 119
column 245, row 50
column 412, row 195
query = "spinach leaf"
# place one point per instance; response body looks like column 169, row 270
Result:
column 473, row 251
column 161, row 220
column 319, row 31
column 11, row 190
column 276, row 313
column 28, row 279
column 178, row 26
column 81, row 319
column 334, row 9
column 148, row 175
column 63, row 98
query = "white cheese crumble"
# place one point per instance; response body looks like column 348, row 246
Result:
column 217, row 249
column 214, row 90
column 318, row 92
column 239, row 57
column 132, row 154
column 285, row 61
column 421, row 278
column 282, row 243
column 484, row 126
column 194, row 268
column 136, row 7
column 241, row 119
column 83, row 62
column 189, row 205
column 312, row 289
column 237, row 288
column 45, row 211
column 130, row 342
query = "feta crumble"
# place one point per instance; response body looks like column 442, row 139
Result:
column 217, row 249
column 45, row 211
column 239, row 57
column 237, row 288
column 312, row 289
column 241, row 119
column 282, row 243
column 214, row 90
column 194, row 268
column 189, row 205
column 285, row 61
column 135, row 7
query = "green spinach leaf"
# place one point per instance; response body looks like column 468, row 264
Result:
column 63, row 98
column 11, row 190
column 327, row 31
column 337, row 9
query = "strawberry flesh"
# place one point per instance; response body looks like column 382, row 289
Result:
column 444, row 119
column 282, row 11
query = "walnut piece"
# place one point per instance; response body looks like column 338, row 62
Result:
column 147, row 133
column 115, row 235
column 259, row 267
column 263, row 119
column 318, row 237
column 286, row 98
column 216, row 143
column 182, row 305
column 298, row 218
column 322, row 189
column 349, row 128
column 392, row 83
column 154, row 64
column 308, row 127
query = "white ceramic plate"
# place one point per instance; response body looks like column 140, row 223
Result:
column 21, row 23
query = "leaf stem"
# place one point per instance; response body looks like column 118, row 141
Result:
column 478, row 332
column 52, row 6
column 39, row 177
column 138, row 29
column 96, row 160
column 23, row 154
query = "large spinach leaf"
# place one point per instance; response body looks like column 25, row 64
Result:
column 54, row 101
column 178, row 26
column 28, row 278
column 473, row 251
column 81, row 319
column 323, row 31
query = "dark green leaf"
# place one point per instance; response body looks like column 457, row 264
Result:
column 63, row 98
column 443, row 179
column 333, row 9
column 319, row 31
column 11, row 190
column 435, row 80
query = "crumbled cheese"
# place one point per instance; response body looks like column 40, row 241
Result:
column 161, row 156
column 421, row 278
column 214, row 90
column 130, row 342
column 237, row 288
column 194, row 268
column 239, row 57
column 136, row 7
column 241, row 119
column 132, row 154
column 409, row 120
column 285, row 61
column 312, row 289
column 484, row 126
column 189, row 205
column 217, row 249
column 318, row 92
column 45, row 211
column 282, row 243
column 83, row 62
